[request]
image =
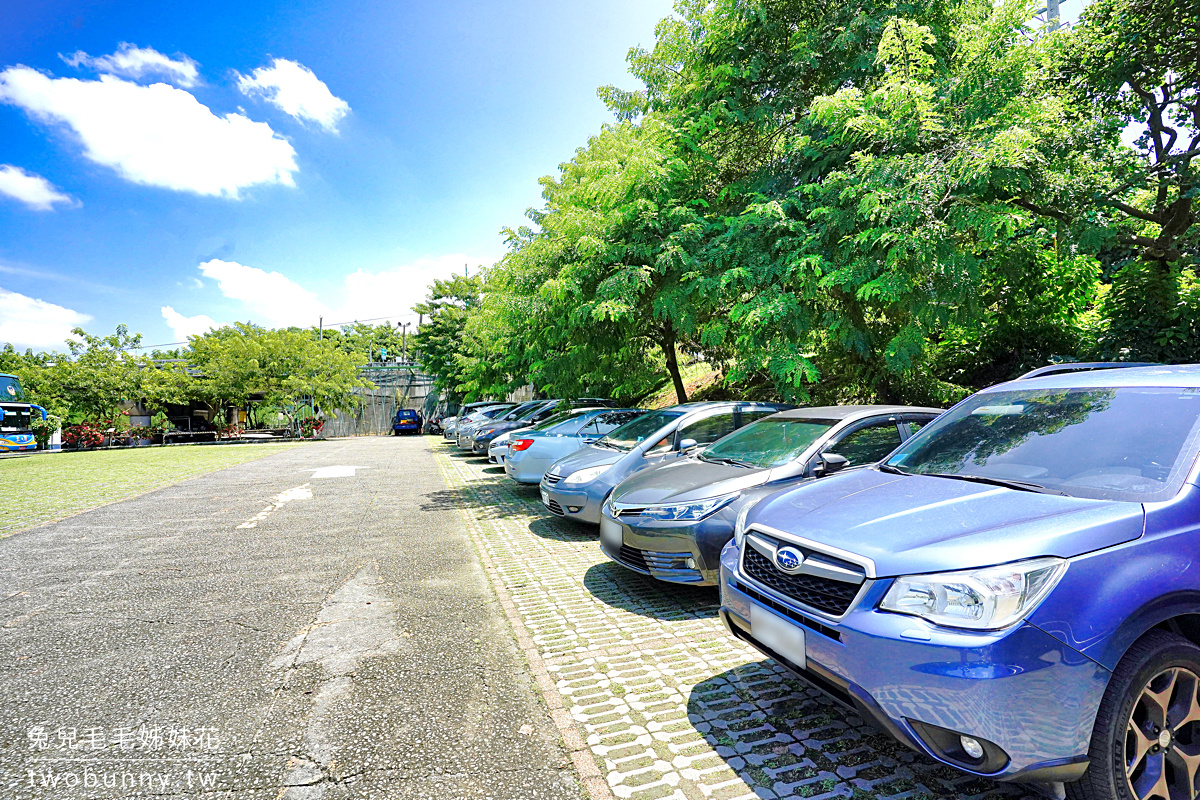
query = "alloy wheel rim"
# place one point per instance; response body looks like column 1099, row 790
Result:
column 1162, row 738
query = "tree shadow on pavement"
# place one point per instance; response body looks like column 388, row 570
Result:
column 632, row 591
column 562, row 530
column 481, row 505
column 780, row 734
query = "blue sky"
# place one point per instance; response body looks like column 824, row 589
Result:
column 171, row 166
column 278, row 161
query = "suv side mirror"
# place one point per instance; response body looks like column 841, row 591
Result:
column 829, row 463
column 688, row 444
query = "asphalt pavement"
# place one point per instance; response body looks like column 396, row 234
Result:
column 312, row 625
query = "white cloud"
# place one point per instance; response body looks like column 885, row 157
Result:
column 29, row 322
column 185, row 327
column 393, row 292
column 271, row 298
column 132, row 61
column 295, row 89
column 155, row 135
column 275, row 300
column 32, row 190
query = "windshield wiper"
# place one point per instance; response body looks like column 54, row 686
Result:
column 602, row 443
column 1021, row 486
column 888, row 468
column 730, row 461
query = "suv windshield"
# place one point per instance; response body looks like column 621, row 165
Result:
column 10, row 388
column 629, row 435
column 1132, row 443
column 770, row 442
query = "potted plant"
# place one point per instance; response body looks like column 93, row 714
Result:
column 140, row 436
column 310, row 427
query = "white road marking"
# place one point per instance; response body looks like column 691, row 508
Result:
column 340, row 471
column 277, row 502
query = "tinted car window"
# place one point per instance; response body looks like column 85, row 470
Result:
column 1128, row 443
column 631, row 434
column 769, row 442
column 605, row 423
column 751, row 414
column 868, row 445
column 558, row 419
column 709, row 429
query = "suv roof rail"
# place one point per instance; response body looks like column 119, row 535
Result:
column 1084, row 366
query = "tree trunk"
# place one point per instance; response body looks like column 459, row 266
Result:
column 668, row 348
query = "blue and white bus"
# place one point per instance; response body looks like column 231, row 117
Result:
column 16, row 416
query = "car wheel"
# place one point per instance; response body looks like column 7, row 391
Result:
column 1146, row 741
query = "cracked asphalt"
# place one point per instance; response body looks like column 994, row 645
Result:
column 346, row 644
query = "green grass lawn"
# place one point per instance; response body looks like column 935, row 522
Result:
column 44, row 487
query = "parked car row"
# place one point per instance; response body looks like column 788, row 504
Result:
column 1011, row 587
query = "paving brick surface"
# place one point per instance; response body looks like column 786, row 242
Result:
column 651, row 688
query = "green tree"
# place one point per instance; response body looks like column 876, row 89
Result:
column 440, row 342
column 101, row 373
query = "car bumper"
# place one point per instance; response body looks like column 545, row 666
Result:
column 679, row 552
column 582, row 503
column 1020, row 689
column 523, row 469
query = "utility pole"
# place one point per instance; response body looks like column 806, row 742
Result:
column 320, row 327
column 1052, row 13
column 403, row 326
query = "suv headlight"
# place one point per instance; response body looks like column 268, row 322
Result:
column 739, row 525
column 983, row 599
column 689, row 511
column 586, row 475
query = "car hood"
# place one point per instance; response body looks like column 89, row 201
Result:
column 688, row 480
column 913, row 524
column 587, row 456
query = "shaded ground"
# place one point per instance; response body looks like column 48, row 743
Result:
column 668, row 703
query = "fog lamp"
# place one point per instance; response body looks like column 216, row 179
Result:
column 574, row 509
column 971, row 747
column 691, row 563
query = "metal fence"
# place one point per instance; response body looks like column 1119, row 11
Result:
column 398, row 386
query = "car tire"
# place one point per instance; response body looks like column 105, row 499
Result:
column 1158, row 677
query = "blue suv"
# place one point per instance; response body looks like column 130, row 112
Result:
column 1015, row 591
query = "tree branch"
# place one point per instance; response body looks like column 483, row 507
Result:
column 1042, row 211
column 1134, row 211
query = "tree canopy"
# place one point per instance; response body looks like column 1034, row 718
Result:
column 888, row 200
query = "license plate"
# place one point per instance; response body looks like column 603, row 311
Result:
column 545, row 497
column 610, row 533
column 781, row 635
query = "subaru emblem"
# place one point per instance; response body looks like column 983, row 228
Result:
column 789, row 559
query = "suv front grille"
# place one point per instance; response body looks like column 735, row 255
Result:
column 555, row 508
column 552, row 479
column 824, row 594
